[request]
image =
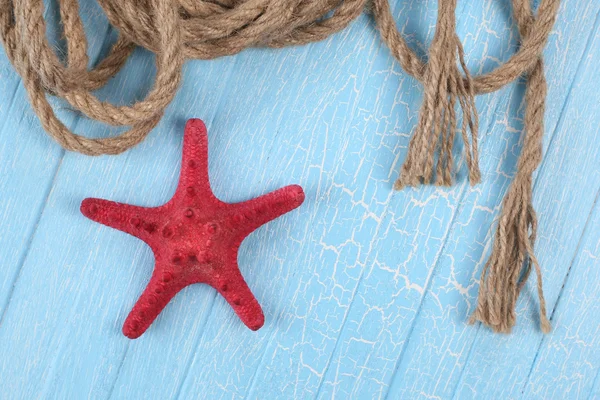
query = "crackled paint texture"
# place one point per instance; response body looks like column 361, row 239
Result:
column 366, row 292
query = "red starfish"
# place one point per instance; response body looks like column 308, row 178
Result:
column 195, row 237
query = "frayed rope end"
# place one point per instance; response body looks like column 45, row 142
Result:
column 430, row 150
column 511, row 262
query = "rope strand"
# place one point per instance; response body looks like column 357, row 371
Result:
column 444, row 86
column 507, row 270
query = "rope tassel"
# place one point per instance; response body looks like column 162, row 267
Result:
column 509, row 266
column 444, row 86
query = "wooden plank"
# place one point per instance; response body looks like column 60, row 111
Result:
column 75, row 309
column 440, row 335
column 565, row 193
column 284, row 365
column 310, row 150
column 569, row 360
column 59, row 300
column 29, row 158
column 235, row 120
column 372, row 342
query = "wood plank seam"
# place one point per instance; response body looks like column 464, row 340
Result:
column 30, row 240
column 119, row 367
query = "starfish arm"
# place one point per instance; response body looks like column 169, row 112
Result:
column 160, row 290
column 266, row 208
column 193, row 178
column 124, row 217
column 236, row 292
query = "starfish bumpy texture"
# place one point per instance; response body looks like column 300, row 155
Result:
column 194, row 236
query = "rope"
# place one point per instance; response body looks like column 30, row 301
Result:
column 205, row 29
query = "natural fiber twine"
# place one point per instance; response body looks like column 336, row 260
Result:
column 179, row 29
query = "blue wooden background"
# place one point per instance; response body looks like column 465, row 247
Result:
column 366, row 291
